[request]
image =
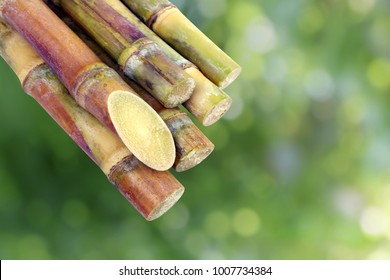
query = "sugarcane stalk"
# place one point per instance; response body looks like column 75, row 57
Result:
column 169, row 23
column 95, row 86
column 141, row 59
column 192, row 146
column 207, row 104
column 151, row 192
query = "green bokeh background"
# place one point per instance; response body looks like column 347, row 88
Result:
column 302, row 160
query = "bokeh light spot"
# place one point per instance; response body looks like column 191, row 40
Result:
column 32, row 246
column 275, row 69
column 378, row 36
column 361, row 7
column 380, row 254
column 212, row 254
column 242, row 12
column 378, row 73
column 196, row 242
column 319, row 84
column 211, row 9
column 354, row 109
column 261, row 35
column 374, row 222
column 246, row 222
column 312, row 20
column 348, row 202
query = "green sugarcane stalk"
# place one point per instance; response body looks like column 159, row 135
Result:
column 208, row 103
column 169, row 23
column 151, row 192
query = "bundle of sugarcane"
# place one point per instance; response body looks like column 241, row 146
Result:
column 151, row 192
column 123, row 95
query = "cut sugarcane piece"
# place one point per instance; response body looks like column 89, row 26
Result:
column 148, row 130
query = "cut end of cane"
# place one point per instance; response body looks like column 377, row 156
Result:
column 217, row 111
column 193, row 159
column 151, row 192
column 165, row 205
column 181, row 92
column 142, row 130
column 231, row 77
column 208, row 103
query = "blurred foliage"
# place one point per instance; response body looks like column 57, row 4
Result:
column 302, row 160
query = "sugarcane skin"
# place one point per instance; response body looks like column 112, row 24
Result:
column 112, row 42
column 109, row 15
column 148, row 8
column 14, row 53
